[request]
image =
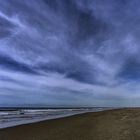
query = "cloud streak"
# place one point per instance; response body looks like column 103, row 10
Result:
column 70, row 52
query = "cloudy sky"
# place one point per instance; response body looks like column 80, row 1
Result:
column 70, row 52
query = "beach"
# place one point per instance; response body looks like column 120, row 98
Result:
column 117, row 124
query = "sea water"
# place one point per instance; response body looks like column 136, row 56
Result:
column 24, row 116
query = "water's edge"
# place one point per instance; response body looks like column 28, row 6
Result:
column 7, row 121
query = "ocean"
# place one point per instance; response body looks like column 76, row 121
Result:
column 9, row 118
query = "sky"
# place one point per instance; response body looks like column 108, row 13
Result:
column 69, row 53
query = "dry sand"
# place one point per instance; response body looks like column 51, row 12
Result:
column 120, row 124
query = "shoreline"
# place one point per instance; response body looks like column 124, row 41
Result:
column 39, row 120
column 115, row 124
column 22, row 122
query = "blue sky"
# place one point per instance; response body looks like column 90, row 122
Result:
column 70, row 52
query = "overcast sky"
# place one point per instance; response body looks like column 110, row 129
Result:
column 70, row 52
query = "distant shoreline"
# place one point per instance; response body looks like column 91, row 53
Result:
column 34, row 108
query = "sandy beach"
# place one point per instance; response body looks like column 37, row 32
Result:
column 118, row 124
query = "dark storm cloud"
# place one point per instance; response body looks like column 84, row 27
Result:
column 54, row 50
column 11, row 64
column 131, row 70
column 6, row 27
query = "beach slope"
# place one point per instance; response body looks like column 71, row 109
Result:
column 119, row 124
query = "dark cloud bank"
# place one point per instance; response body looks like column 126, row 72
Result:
column 70, row 52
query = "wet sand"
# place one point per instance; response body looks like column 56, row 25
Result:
column 119, row 124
